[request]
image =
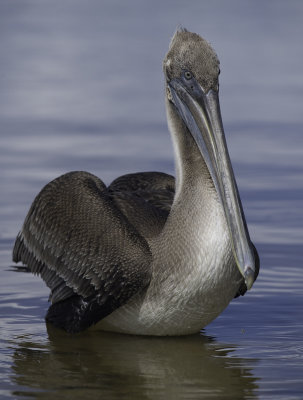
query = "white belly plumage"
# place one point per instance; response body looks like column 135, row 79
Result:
column 183, row 302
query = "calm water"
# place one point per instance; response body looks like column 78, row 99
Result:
column 82, row 89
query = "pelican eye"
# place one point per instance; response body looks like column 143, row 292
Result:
column 188, row 75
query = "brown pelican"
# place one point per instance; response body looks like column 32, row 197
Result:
column 147, row 254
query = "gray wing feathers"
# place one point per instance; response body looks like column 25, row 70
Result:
column 80, row 242
column 145, row 199
column 156, row 188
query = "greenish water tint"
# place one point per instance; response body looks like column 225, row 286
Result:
column 82, row 89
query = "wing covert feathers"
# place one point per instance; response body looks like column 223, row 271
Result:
column 80, row 243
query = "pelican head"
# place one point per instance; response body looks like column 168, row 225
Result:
column 191, row 69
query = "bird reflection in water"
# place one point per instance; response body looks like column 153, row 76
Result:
column 110, row 365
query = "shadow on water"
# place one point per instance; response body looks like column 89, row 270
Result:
column 104, row 365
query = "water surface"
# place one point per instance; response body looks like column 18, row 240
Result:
column 82, row 89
